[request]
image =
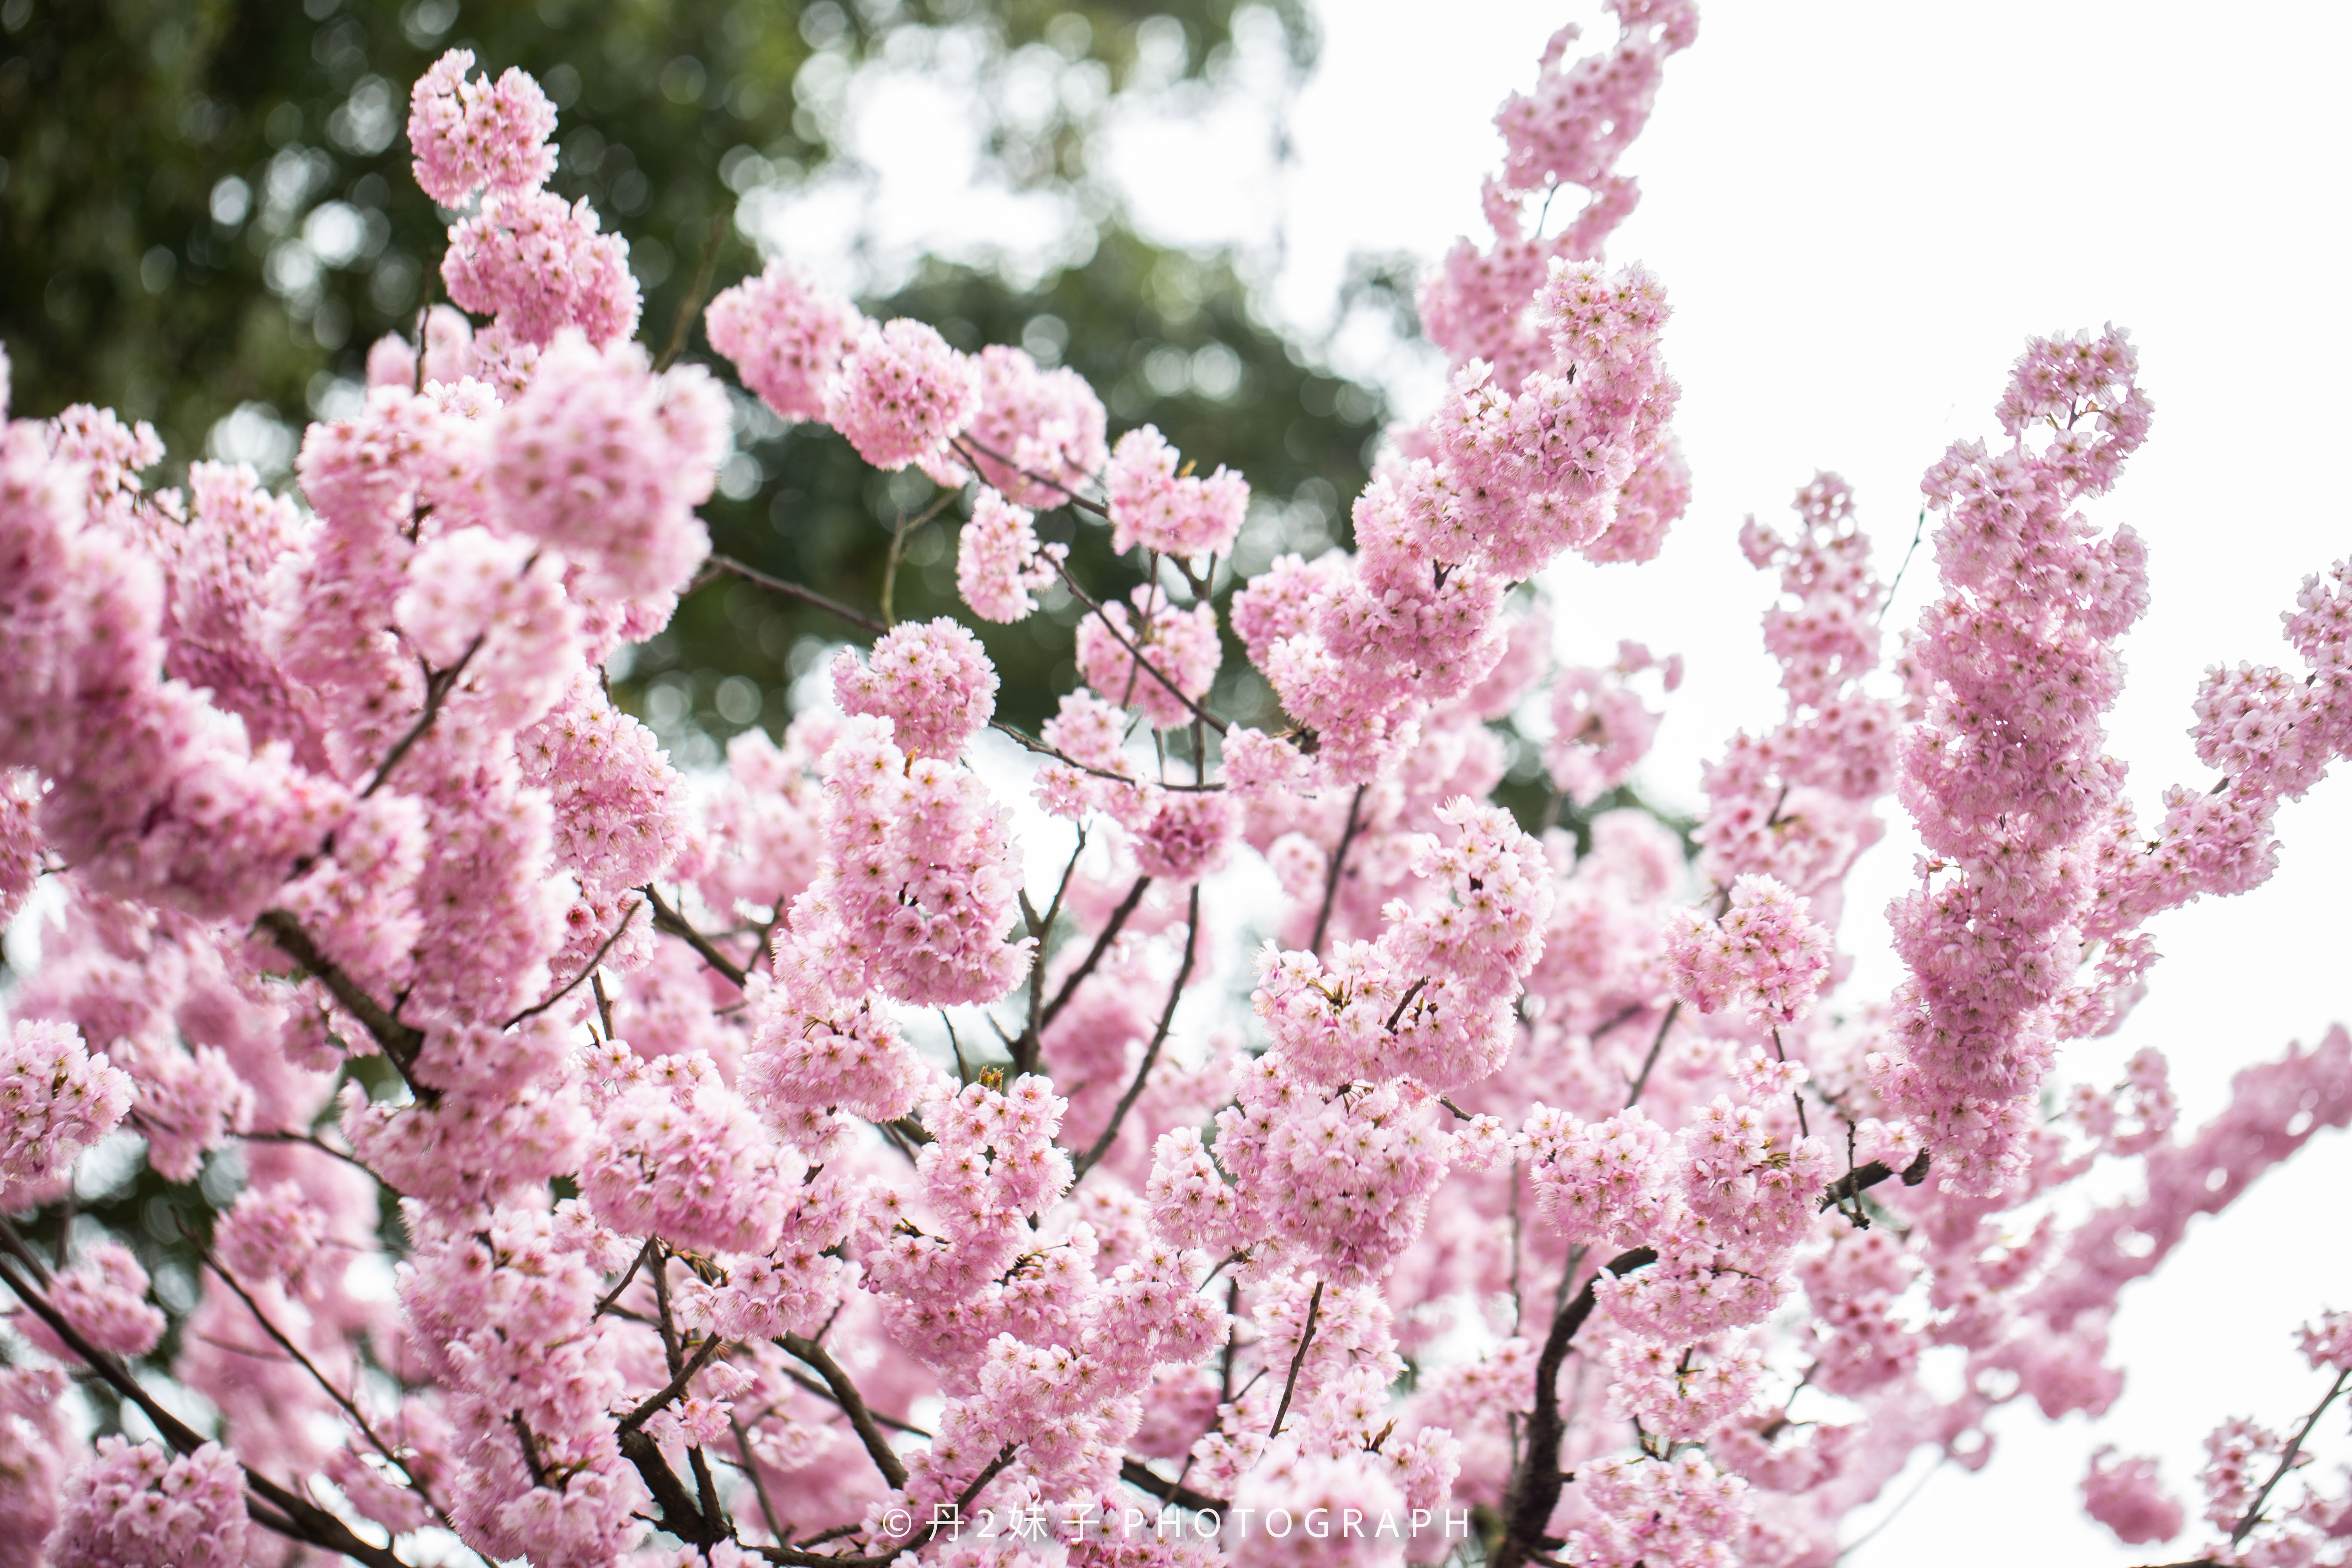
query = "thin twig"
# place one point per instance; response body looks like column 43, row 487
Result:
column 205, row 1254
column 2287, row 1460
column 1032, row 744
column 1794, row 1095
column 1338, row 863
column 718, row 566
column 1025, row 1049
column 669, row 921
column 438, row 684
column 1298, row 1360
column 635, row 1263
column 287, row 1513
column 853, row 1404
column 1151, row 1053
column 308, row 1140
column 645, row 1411
column 1405, row 1001
column 1623, row 1016
column 967, row 442
column 1093, row 954
column 1916, row 534
column 687, row 303
column 1161, row 676
column 1650, row 1061
column 890, row 568
column 595, row 962
column 759, row 1482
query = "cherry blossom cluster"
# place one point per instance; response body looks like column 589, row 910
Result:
column 801, row 1162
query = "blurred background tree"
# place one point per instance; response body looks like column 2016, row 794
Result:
column 208, row 218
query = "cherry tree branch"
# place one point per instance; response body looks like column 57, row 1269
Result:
column 1338, row 863
column 287, row 1513
column 1032, row 744
column 1161, row 676
column 2287, row 1460
column 853, row 1404
column 1136, row 1473
column 1151, row 1053
column 400, row 1042
column 1110, row 929
column 994, row 1467
column 677, row 1386
column 718, row 566
column 668, row 921
column 1025, row 1049
column 1674, row 1010
column 1870, row 1175
column 966, row 443
column 290, row 1348
column 439, row 683
column 594, row 961
column 1298, row 1360
column 1535, row 1488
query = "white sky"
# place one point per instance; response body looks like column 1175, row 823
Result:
column 1860, row 211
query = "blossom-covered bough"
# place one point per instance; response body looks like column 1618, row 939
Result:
column 1551, row 1205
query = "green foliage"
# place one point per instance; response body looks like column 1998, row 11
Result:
column 1168, row 338
column 205, row 204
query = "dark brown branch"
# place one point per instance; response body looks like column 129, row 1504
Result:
column 438, row 684
column 797, row 1557
column 853, row 1404
column 529, row 1446
column 675, row 1386
column 594, row 961
column 1135, row 1473
column 310, row 1141
column 1870, row 1175
column 1298, row 1360
column 291, row 1349
column 1142, row 663
column 1405, row 1001
column 1110, row 929
column 719, row 566
column 1338, row 863
column 1025, row 1049
column 635, row 1263
column 400, row 1042
column 1151, row 1053
column 1535, row 1488
column 691, row 301
column 681, row 1516
column 670, row 922
column 995, row 1468
column 1674, row 1010
column 293, row 1517
column 2287, row 1460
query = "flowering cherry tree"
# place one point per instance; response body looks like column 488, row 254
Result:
column 777, row 1172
